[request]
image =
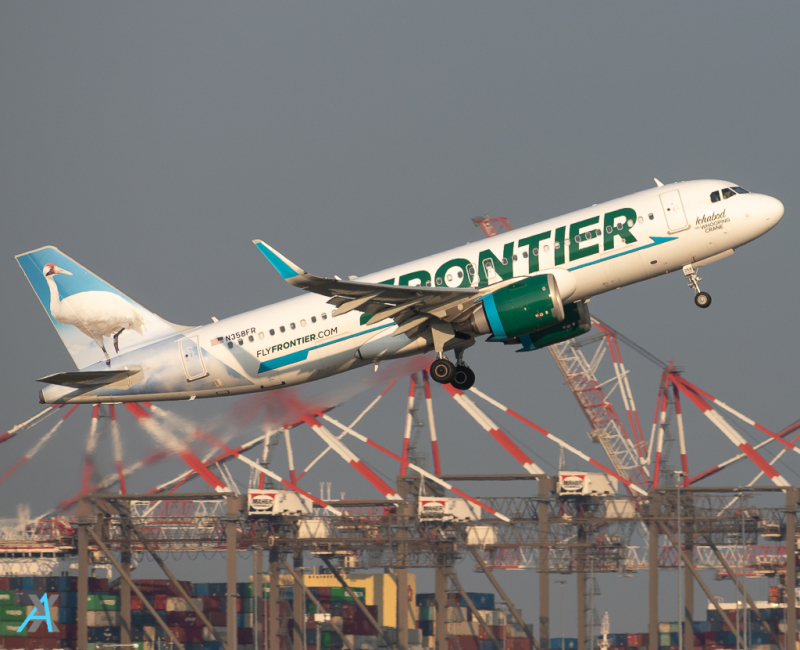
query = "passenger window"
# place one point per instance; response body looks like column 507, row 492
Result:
column 313, row 319
column 439, row 281
column 740, row 190
column 525, row 253
column 714, row 197
column 609, row 229
column 230, row 344
column 514, row 257
column 504, row 261
column 535, row 252
column 557, row 245
column 650, row 216
column 250, row 338
column 241, row 341
column 324, row 316
column 728, row 193
column 292, row 325
column 272, row 332
column 470, row 270
column 303, row 323
column 283, row 329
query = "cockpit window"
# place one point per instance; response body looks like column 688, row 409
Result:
column 715, row 196
column 728, row 193
column 740, row 190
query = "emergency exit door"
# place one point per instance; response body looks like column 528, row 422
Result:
column 673, row 211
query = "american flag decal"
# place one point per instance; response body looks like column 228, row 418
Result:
column 217, row 340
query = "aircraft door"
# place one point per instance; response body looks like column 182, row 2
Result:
column 673, row 211
column 192, row 358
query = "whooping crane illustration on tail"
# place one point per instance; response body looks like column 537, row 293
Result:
column 98, row 314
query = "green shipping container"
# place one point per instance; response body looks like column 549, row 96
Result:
column 326, row 639
column 247, row 605
column 12, row 613
column 339, row 594
column 311, row 608
column 103, row 602
column 247, row 590
column 9, row 628
column 6, row 597
column 664, row 639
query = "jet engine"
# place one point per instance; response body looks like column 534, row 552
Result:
column 526, row 306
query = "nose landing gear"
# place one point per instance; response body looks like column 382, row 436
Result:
column 702, row 299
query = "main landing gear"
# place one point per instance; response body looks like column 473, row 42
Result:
column 701, row 298
column 459, row 375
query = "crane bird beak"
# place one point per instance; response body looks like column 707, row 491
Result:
column 52, row 269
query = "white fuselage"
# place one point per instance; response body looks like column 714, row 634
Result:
column 653, row 232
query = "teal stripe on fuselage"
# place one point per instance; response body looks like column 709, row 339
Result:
column 656, row 242
column 302, row 355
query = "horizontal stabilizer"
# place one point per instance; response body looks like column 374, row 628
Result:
column 91, row 378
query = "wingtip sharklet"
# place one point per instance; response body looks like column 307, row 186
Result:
column 281, row 264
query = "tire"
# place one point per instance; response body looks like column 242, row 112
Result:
column 463, row 378
column 702, row 300
column 442, row 371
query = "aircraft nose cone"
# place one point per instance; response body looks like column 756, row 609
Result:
column 771, row 210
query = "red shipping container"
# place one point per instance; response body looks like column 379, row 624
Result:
column 324, row 593
column 211, row 604
column 160, row 601
column 187, row 634
column 349, row 610
column 4, row 584
column 184, row 619
column 244, row 635
column 98, row 585
column 42, row 633
column 462, row 643
column 217, row 619
column 136, row 603
column 522, row 644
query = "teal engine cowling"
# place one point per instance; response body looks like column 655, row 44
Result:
column 520, row 308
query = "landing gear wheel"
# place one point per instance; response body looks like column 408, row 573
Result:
column 442, row 370
column 463, row 378
column 702, row 300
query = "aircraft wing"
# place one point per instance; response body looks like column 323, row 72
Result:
column 410, row 307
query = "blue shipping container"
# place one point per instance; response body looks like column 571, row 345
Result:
column 67, row 599
column 211, row 645
column 201, row 589
column 67, row 615
column 28, row 584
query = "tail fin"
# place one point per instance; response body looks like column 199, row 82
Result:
column 94, row 319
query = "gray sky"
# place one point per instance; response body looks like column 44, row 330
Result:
column 153, row 141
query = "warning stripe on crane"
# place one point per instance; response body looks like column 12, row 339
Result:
column 734, row 459
column 681, row 435
column 30, row 422
column 416, row 468
column 437, row 467
column 493, row 430
column 91, row 445
column 171, row 442
column 409, row 423
column 348, row 456
column 741, row 416
column 116, row 440
column 661, row 419
column 35, row 449
column 558, row 441
column 730, row 433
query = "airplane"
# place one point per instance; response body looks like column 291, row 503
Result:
column 528, row 288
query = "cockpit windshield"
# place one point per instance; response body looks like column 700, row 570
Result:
column 727, row 193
